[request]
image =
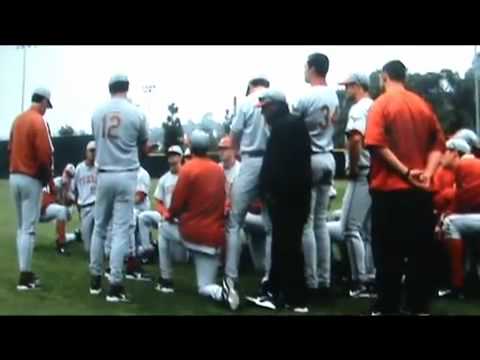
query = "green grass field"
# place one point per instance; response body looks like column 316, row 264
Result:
column 65, row 283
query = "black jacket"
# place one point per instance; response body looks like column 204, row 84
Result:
column 286, row 174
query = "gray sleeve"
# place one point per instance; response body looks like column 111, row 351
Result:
column 299, row 107
column 238, row 123
column 142, row 130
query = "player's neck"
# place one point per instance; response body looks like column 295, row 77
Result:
column 318, row 81
column 361, row 96
column 227, row 165
column 394, row 85
column 175, row 170
column 119, row 95
column 89, row 163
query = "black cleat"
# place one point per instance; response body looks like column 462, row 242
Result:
column 61, row 249
column 28, row 281
column 165, row 286
column 95, row 285
column 117, row 294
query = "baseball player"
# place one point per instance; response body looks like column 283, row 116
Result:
column 85, row 183
column 461, row 226
column 472, row 140
column 119, row 129
column 319, row 108
column 56, row 205
column 198, row 202
column 229, row 164
column 249, row 134
column 31, row 162
column 169, row 239
column 187, row 156
column 357, row 201
column 138, row 247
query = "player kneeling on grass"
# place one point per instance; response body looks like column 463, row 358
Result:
column 85, row 183
column 461, row 225
column 169, row 240
column 198, row 202
column 56, row 202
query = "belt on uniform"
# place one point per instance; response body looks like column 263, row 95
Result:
column 116, row 171
column 255, row 153
column 87, row 205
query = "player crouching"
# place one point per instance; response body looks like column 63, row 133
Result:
column 460, row 225
column 57, row 199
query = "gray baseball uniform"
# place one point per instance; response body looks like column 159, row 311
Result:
column 357, row 201
column 319, row 108
column 85, row 184
column 56, row 211
column 137, row 247
column 119, row 128
column 249, row 127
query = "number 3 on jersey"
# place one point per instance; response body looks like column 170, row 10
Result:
column 111, row 123
column 329, row 118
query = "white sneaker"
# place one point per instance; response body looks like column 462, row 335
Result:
column 262, row 301
column 229, row 295
column 301, row 310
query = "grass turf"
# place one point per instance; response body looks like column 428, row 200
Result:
column 65, row 282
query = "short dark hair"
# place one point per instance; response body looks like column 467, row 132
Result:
column 118, row 87
column 37, row 98
column 395, row 70
column 319, row 62
column 257, row 82
column 364, row 87
column 199, row 150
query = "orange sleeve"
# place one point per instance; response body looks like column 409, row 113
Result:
column 42, row 143
column 438, row 137
column 180, row 194
column 162, row 209
column 375, row 132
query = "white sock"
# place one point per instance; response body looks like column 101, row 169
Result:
column 69, row 237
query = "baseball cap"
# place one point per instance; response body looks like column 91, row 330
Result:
column 175, row 149
column 469, row 136
column 118, row 78
column 187, row 152
column 356, row 78
column 199, row 139
column 45, row 93
column 70, row 170
column 91, row 145
column 458, row 145
column 225, row 142
column 269, row 96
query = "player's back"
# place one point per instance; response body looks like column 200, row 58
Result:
column 250, row 124
column 119, row 128
column 467, row 179
column 319, row 109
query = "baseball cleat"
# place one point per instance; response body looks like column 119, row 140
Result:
column 117, row 294
column 95, row 285
column 107, row 274
column 361, row 292
column 301, row 310
column 265, row 302
column 229, row 294
column 28, row 281
column 165, row 286
column 454, row 294
column 138, row 275
column 61, row 249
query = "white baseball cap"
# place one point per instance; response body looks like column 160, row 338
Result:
column 458, row 144
column 469, row 136
column 70, row 170
column 45, row 93
column 187, row 152
column 271, row 95
column 356, row 78
column 118, row 78
column 175, row 149
column 91, row 145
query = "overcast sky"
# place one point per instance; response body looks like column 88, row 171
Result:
column 199, row 79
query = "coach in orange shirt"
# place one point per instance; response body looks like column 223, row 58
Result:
column 406, row 143
column 30, row 149
column 198, row 202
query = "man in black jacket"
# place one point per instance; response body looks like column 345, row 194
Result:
column 285, row 187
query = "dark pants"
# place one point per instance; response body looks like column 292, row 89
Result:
column 403, row 243
column 287, row 276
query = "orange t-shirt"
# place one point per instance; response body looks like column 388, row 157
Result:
column 443, row 185
column 198, row 201
column 467, row 180
column 404, row 123
column 30, row 145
